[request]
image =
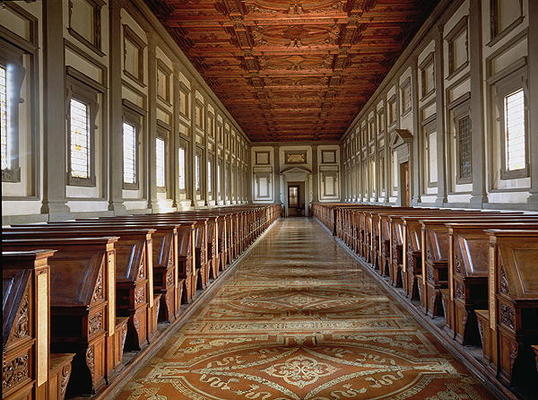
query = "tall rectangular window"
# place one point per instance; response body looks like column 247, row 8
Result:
column 432, row 156
column 181, row 168
column 515, row 140
column 219, row 179
column 79, row 130
column 160, row 162
column 129, row 154
column 3, row 117
column 209, row 177
column 197, row 185
column 465, row 151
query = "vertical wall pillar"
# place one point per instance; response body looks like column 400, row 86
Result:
column 192, row 147
column 206, row 157
column 276, row 174
column 115, row 136
column 54, row 177
column 533, row 103
column 315, row 174
column 415, row 151
column 174, row 140
column 440, row 117
column 479, row 195
column 151, row 177
column 388, row 165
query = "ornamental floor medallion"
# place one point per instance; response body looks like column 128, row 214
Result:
column 299, row 319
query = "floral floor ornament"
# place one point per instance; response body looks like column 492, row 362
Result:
column 300, row 371
column 300, row 320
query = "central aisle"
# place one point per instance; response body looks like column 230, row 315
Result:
column 300, row 319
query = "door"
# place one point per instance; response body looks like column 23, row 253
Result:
column 293, row 200
column 404, row 184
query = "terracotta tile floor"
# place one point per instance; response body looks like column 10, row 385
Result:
column 300, row 319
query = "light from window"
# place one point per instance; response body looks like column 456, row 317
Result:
column 80, row 139
column 3, row 117
column 465, row 148
column 129, row 153
column 197, row 173
column 432, row 156
column 514, row 114
column 160, row 162
column 181, row 172
column 219, row 172
column 209, row 171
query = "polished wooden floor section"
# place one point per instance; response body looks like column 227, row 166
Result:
column 300, row 319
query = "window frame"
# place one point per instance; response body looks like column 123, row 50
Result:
column 161, row 135
column 460, row 111
column 182, row 144
column 209, row 174
column 504, row 87
column 133, row 117
column 84, row 93
column 10, row 55
column 135, row 141
column 429, row 127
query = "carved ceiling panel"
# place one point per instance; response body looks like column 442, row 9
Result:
column 293, row 69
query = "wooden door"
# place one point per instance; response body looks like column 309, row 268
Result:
column 404, row 184
column 293, row 200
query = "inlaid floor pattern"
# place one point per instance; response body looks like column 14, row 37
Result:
column 300, row 319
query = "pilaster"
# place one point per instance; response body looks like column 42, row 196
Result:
column 276, row 174
column 115, row 139
column 440, row 117
column 479, row 195
column 315, row 173
column 414, row 158
column 54, row 160
column 152, row 123
column 532, row 201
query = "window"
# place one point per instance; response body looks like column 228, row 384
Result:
column 181, row 168
column 209, row 177
column 16, row 83
column 197, row 183
column 219, row 173
column 464, row 149
column 430, row 153
column 3, row 118
column 432, row 156
column 514, row 131
column 79, row 133
column 129, row 154
column 160, row 162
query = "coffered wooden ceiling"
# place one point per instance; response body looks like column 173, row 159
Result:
column 292, row 70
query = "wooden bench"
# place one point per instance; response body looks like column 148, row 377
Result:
column 513, row 304
column 80, row 297
column 29, row 369
column 468, row 272
column 133, row 272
